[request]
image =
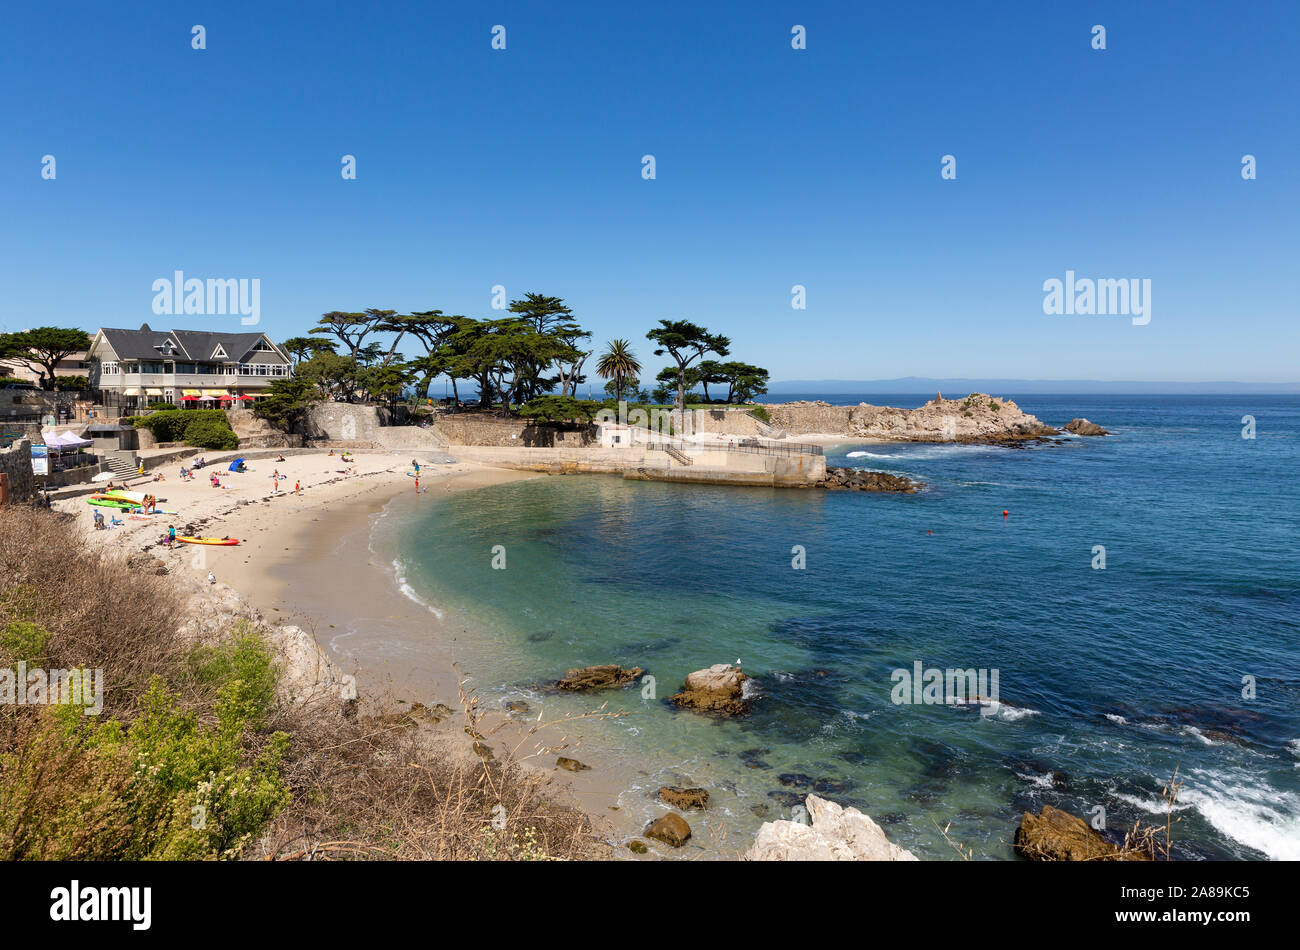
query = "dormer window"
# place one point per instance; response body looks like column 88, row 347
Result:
column 220, row 353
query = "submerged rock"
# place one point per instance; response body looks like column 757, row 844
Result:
column 1084, row 427
column 683, row 798
column 670, row 829
column 571, row 765
column 1055, row 835
column 637, row 846
column 719, row 689
column 590, row 678
column 836, row 834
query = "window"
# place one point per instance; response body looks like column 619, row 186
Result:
column 109, row 369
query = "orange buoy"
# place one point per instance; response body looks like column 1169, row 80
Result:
column 1005, row 513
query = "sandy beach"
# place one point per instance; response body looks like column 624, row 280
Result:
column 305, row 563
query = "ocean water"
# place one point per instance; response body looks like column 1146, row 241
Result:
column 1111, row 681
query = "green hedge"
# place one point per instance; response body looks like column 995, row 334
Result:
column 204, row 428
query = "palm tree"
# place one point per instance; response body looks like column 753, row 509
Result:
column 618, row 362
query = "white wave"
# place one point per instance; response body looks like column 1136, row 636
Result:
column 1117, row 719
column 399, row 576
column 993, row 709
column 1294, row 746
column 1152, row 806
column 871, row 455
column 1247, row 811
column 1193, row 731
column 1042, row 781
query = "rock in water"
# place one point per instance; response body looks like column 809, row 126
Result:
column 862, row 480
column 836, row 834
column 719, row 689
column 670, row 829
column 1055, row 835
column 1084, row 427
column 591, row 678
column 683, row 798
column 572, row 765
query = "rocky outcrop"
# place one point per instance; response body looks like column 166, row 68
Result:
column 1055, row 835
column 683, row 798
column 1084, row 427
column 254, row 432
column 975, row 418
column 670, row 829
column 719, row 689
column 836, row 834
column 591, row 678
column 857, row 480
column 306, row 673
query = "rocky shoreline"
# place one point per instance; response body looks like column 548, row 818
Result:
column 977, row 419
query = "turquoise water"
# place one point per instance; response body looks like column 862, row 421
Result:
column 1110, row 680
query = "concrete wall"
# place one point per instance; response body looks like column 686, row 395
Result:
column 343, row 422
column 714, row 466
column 484, row 429
column 16, row 463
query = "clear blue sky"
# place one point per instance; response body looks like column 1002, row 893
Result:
column 775, row 167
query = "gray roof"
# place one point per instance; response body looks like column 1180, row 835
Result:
column 199, row 345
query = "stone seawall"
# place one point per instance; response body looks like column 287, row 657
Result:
column 16, row 464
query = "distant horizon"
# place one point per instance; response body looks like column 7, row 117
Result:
column 964, row 385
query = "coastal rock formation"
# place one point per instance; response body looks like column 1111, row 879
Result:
column 306, row 673
column 1055, row 835
column 683, row 798
column 858, row 480
column 670, row 829
column 1084, row 427
column 719, row 689
column 974, row 418
column 590, row 678
column 836, row 834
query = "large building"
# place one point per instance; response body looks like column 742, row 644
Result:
column 184, row 367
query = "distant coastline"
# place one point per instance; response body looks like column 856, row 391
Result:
column 1017, row 387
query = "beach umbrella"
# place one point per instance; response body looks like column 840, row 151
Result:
column 234, row 466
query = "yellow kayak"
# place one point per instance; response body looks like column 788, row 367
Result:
column 189, row 540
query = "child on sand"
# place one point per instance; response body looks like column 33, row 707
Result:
column 297, row 488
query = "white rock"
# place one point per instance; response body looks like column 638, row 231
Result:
column 719, row 676
column 836, row 834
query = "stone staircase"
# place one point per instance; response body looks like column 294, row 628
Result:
column 767, row 431
column 681, row 458
column 122, row 464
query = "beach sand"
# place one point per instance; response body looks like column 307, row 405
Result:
column 305, row 560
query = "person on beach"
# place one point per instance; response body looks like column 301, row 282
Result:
column 99, row 520
column 417, row 484
column 279, row 458
column 171, row 536
column 297, row 488
column 415, row 465
column 331, row 455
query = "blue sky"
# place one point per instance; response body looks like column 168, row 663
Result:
column 775, row 167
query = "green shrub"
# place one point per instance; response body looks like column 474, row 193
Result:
column 23, row 641
column 245, row 659
column 203, row 428
column 761, row 413
column 210, row 434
